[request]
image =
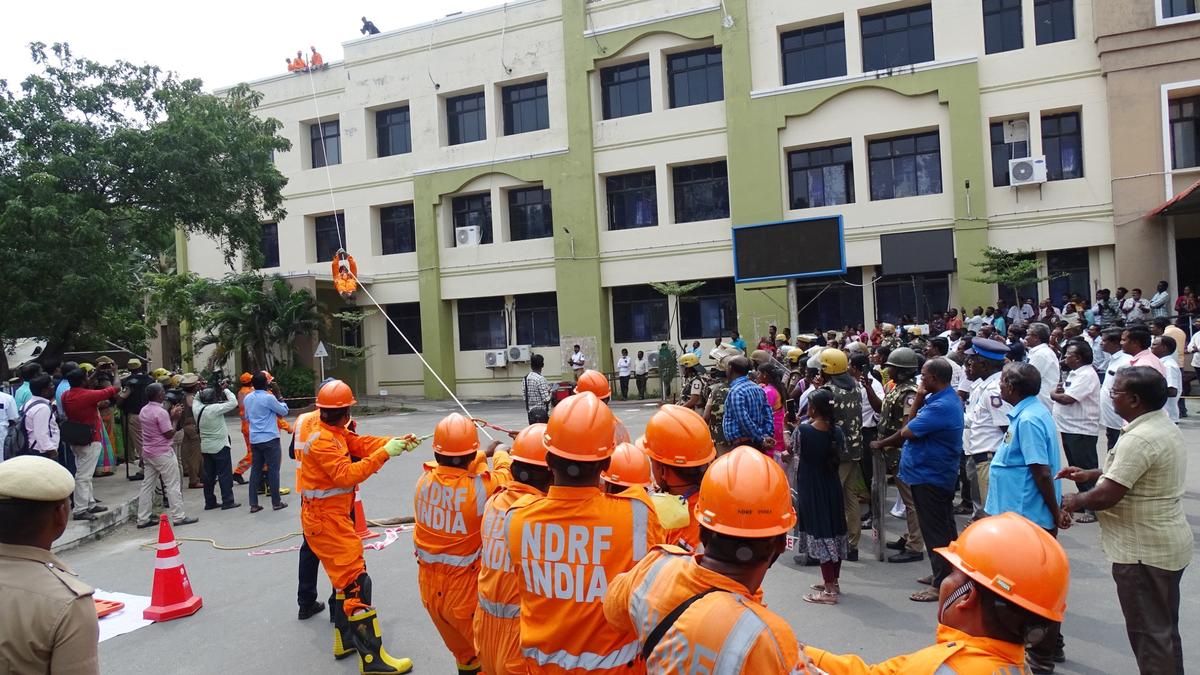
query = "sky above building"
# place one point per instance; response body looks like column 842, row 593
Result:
column 222, row 42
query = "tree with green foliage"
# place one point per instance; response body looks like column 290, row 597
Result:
column 259, row 318
column 674, row 290
column 100, row 165
column 1009, row 268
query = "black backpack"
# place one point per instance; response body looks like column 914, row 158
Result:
column 17, row 441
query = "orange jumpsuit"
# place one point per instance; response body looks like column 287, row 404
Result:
column 329, row 479
column 565, row 547
column 728, row 632
column 498, row 621
column 315, row 60
column 449, row 505
column 345, row 282
column 963, row 654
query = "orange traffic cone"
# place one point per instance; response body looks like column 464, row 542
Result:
column 172, row 597
column 360, row 519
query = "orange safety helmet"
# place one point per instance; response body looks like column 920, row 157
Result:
column 595, row 382
column 245, row 378
column 629, row 466
column 581, row 429
column 335, row 394
column 455, row 436
column 528, row 446
column 640, row 444
column 745, row 494
column 679, row 436
column 1015, row 559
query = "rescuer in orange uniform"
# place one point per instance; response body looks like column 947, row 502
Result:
column 1007, row 588
column 628, row 467
column 498, row 621
column 595, row 382
column 329, row 477
column 681, row 449
column 345, row 274
column 703, row 612
column 449, row 507
column 566, row 546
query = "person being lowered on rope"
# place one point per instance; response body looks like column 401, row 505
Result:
column 345, row 274
column 329, row 476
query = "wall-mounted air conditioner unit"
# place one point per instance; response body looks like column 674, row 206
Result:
column 1027, row 171
column 495, row 359
column 518, row 353
column 469, row 235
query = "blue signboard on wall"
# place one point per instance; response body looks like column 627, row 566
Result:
column 789, row 249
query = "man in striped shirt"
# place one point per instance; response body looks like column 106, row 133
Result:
column 1077, row 413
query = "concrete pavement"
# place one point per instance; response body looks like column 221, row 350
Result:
column 249, row 624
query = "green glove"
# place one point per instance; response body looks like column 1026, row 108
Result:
column 399, row 446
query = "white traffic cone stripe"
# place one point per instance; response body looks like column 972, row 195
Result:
column 166, row 546
column 168, row 563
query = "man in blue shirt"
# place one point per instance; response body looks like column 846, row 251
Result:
column 929, row 464
column 748, row 419
column 737, row 342
column 263, row 408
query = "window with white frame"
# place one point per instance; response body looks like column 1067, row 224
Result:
column 1184, row 117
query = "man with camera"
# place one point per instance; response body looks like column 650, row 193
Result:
column 209, row 409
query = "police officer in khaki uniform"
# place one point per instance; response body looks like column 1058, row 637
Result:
column 902, row 365
column 47, row 617
column 695, row 387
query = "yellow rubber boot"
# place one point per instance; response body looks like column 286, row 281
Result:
column 372, row 658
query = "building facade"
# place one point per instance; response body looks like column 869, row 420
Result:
column 520, row 175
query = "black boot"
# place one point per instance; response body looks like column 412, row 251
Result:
column 372, row 658
column 343, row 640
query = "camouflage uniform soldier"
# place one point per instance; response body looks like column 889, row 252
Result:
column 897, row 406
column 847, row 415
column 889, row 340
column 714, row 409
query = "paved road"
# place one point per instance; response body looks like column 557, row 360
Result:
column 248, row 623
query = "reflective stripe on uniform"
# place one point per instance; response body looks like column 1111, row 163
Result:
column 499, row 609
column 480, row 496
column 732, row 656
column 447, row 559
column 585, row 661
column 639, row 611
column 322, row 494
column 641, row 522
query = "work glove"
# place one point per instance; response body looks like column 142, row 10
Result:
column 399, row 446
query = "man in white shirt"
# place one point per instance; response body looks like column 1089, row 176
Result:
column 986, row 418
column 974, row 322
column 939, row 348
column 1135, row 308
column 1159, row 302
column 641, row 370
column 1118, row 359
column 1099, row 356
column 1164, row 349
column 1077, row 412
column 1016, row 317
column 1042, row 357
column 623, row 370
column 8, row 415
column 40, row 424
column 577, row 362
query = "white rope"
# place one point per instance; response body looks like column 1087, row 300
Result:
column 337, row 227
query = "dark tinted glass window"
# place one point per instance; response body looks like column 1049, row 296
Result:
column 625, row 89
column 530, row 215
column 701, row 192
column 537, row 319
column 1184, row 114
column 639, row 314
column 905, row 166
column 814, row 53
column 466, row 119
column 330, row 234
column 826, row 301
column 326, row 144
column 481, row 324
column 709, row 311
column 695, row 77
column 1062, row 142
column 916, row 297
column 632, row 200
column 1172, row 8
column 1002, row 26
column 269, row 245
column 898, row 38
column 474, row 210
column 1069, row 273
column 1003, row 150
column 407, row 317
column 393, row 133
column 526, row 108
column 397, row 230
column 821, row 176
column 1054, row 20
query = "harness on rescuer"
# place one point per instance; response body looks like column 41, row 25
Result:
column 345, row 274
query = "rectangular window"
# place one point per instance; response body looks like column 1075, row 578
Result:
column 701, row 192
column 393, row 132
column 397, row 229
column 537, row 319
column 1173, row 8
column 466, row 119
column 471, row 210
column 269, row 245
column 625, row 89
column 1006, row 146
column 905, row 166
column 1069, row 273
column 814, row 53
column 481, row 324
column 632, row 200
column 1002, row 30
column 695, row 77
column 326, row 144
column 821, row 176
column 1184, row 114
column 526, row 108
column 639, row 314
column 911, row 299
column 1062, row 143
column 898, row 38
column 1054, row 20
column 407, row 317
column 530, row 215
column 330, row 234
column 826, row 301
column 709, row 311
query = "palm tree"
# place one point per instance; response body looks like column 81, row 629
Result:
column 234, row 323
column 292, row 314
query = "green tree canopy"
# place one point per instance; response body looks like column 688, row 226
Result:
column 99, row 164
column 1010, row 268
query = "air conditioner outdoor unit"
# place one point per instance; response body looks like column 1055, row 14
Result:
column 652, row 360
column 518, row 353
column 1027, row 171
column 494, row 359
column 469, row 235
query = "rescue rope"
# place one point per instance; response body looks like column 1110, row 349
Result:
column 382, row 522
